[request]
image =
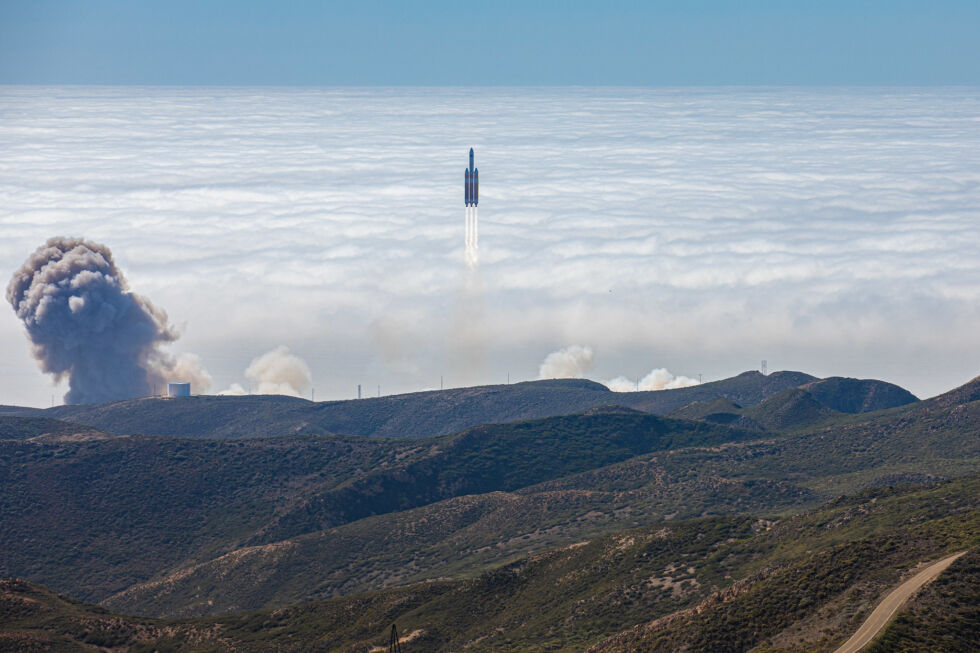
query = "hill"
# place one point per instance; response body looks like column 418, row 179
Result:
column 23, row 428
column 858, row 395
column 944, row 616
column 715, row 584
column 168, row 500
column 419, row 414
column 767, row 470
column 300, row 517
column 791, row 409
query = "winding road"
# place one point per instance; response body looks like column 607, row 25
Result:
column 890, row 605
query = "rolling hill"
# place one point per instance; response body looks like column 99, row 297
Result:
column 200, row 527
column 439, row 412
column 721, row 584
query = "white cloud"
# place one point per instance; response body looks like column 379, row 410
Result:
column 826, row 230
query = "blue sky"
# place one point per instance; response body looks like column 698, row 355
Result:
column 699, row 42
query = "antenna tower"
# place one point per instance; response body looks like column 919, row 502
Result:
column 765, row 367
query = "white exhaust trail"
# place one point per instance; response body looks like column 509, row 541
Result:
column 471, row 238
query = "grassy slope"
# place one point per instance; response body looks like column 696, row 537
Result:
column 501, row 457
column 97, row 516
column 24, row 428
column 811, row 592
column 753, row 581
column 774, row 473
column 614, row 488
column 455, row 538
column 112, row 513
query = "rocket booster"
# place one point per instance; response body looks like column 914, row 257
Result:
column 471, row 184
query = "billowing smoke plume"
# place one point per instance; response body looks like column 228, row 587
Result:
column 86, row 325
column 276, row 372
column 659, row 379
column 573, row 361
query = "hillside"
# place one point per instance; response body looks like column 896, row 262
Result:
column 812, row 594
column 96, row 516
column 192, row 510
column 702, row 585
column 791, row 409
column 24, row 428
column 759, row 472
column 420, row 414
column 858, row 395
column 502, row 457
column 944, row 616
column 295, row 518
column 168, row 500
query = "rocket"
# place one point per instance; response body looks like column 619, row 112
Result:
column 471, row 184
column 471, row 197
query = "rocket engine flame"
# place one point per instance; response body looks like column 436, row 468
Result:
column 85, row 323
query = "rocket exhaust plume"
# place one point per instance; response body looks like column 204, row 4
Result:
column 468, row 338
column 571, row 362
column 658, row 379
column 276, row 372
column 472, row 245
column 86, row 325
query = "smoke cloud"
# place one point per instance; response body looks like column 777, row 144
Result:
column 658, row 379
column 573, row 361
column 276, row 372
column 85, row 324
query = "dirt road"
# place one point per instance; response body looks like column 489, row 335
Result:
column 886, row 609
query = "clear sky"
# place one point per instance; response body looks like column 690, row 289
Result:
column 498, row 42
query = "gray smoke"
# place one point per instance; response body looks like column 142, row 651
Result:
column 85, row 324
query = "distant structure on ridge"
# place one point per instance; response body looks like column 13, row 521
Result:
column 178, row 389
column 471, row 198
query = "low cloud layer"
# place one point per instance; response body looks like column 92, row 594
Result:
column 831, row 231
column 84, row 324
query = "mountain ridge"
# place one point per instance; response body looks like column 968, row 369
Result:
column 436, row 412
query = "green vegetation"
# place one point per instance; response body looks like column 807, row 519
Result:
column 814, row 588
column 610, row 528
column 713, row 584
column 23, row 428
column 155, row 525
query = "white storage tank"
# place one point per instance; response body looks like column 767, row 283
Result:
column 178, row 389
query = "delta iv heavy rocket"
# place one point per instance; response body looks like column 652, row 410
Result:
column 471, row 184
column 471, row 197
